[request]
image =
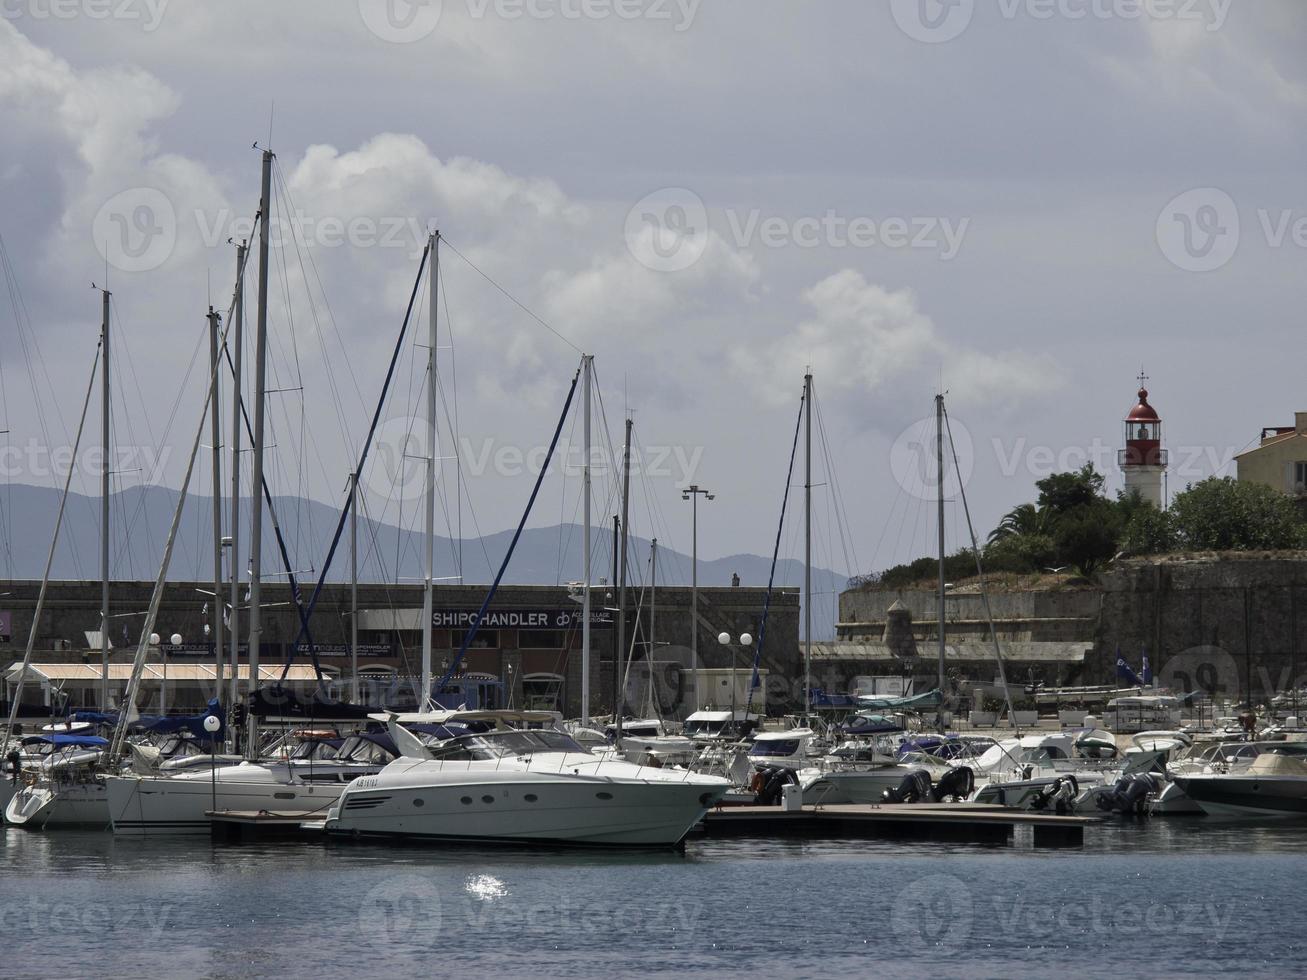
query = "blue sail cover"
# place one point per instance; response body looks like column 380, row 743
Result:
column 68, row 741
column 931, row 699
column 163, row 724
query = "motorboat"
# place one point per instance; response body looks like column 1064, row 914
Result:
column 791, row 749
column 513, row 786
column 1272, row 783
column 719, row 726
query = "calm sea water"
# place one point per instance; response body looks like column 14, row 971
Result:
column 1159, row 899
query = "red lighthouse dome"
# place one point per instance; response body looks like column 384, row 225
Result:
column 1143, row 435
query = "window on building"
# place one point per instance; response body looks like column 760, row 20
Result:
column 540, row 639
column 484, row 640
column 1300, row 475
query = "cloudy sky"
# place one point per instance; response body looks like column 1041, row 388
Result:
column 1023, row 201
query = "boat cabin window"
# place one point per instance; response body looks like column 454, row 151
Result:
column 362, row 750
column 499, row 745
column 774, row 747
column 703, row 726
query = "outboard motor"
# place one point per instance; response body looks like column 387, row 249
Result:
column 956, row 784
column 769, row 782
column 914, row 788
column 1061, row 794
column 1129, row 795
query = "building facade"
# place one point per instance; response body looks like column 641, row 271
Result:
column 1279, row 460
column 527, row 650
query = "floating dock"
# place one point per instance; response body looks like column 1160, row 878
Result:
column 237, row 825
column 970, row 822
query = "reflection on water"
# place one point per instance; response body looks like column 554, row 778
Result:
column 1183, row 890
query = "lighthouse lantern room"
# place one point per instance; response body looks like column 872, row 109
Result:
column 1143, row 461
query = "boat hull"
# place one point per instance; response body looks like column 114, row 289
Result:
column 1225, row 795
column 149, row 805
column 854, row 786
column 41, row 806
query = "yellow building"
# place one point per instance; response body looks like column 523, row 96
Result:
column 1281, row 459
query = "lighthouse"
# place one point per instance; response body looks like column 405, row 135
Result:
column 1143, row 461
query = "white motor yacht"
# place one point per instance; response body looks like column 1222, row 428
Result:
column 536, row 786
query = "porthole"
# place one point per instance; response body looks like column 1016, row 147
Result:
column 604, row 796
column 530, row 797
column 419, row 802
column 466, row 801
column 487, row 799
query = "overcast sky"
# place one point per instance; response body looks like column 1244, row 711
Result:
column 1022, row 200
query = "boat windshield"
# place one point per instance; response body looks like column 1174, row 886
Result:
column 703, row 726
column 775, row 747
column 499, row 745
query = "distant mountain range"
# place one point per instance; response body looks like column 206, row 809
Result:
column 140, row 517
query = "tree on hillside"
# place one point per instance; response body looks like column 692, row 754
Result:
column 1086, row 536
column 1020, row 520
column 1062, row 493
column 1223, row 514
column 1149, row 531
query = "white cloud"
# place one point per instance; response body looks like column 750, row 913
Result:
column 865, row 337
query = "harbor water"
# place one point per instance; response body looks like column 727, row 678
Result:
column 1156, row 898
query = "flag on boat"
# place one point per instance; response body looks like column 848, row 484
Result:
column 1123, row 671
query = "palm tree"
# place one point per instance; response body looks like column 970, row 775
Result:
column 1024, row 519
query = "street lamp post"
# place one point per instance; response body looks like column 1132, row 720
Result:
column 746, row 641
column 692, row 493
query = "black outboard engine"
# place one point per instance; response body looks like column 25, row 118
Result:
column 914, row 788
column 1129, row 794
column 1061, row 794
column 956, row 784
column 769, row 782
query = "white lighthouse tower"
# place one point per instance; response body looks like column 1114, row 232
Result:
column 1143, row 460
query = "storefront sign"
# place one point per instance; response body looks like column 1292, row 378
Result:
column 525, row 619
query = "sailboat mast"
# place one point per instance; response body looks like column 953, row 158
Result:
column 619, row 658
column 215, row 432
column 354, row 586
column 587, row 366
column 807, row 545
column 429, row 571
column 939, row 475
column 653, row 594
column 256, row 497
column 237, row 328
column 105, row 421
